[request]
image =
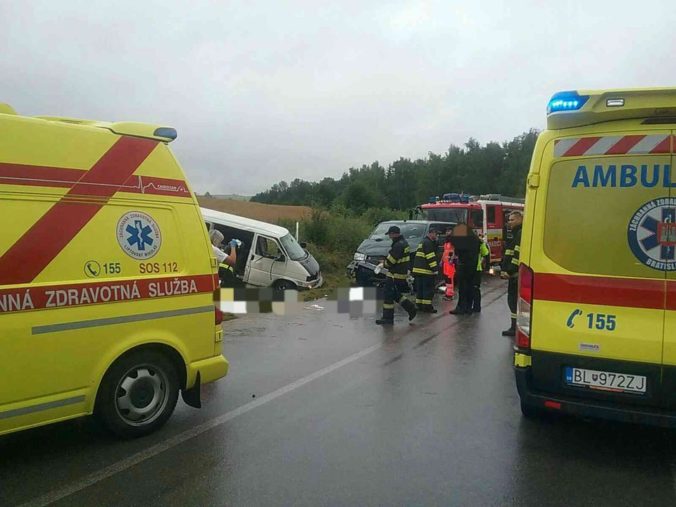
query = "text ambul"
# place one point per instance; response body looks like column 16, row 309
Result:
column 624, row 176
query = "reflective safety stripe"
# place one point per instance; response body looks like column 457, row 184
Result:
column 517, row 248
column 513, row 315
column 404, row 260
column 397, row 276
column 433, row 264
column 388, row 306
column 509, row 252
column 515, row 261
column 225, row 266
column 420, row 253
column 41, row 407
column 423, row 271
column 55, row 328
column 425, row 301
column 430, row 255
column 391, row 259
column 522, row 360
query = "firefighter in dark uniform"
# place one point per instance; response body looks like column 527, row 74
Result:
column 510, row 267
column 425, row 269
column 397, row 263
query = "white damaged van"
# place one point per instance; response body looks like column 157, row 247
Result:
column 269, row 256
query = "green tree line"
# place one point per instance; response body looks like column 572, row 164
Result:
column 473, row 169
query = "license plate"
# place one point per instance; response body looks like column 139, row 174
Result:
column 605, row 380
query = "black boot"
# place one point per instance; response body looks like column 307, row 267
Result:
column 409, row 307
column 384, row 322
column 511, row 331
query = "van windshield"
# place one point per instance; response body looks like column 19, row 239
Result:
column 292, row 248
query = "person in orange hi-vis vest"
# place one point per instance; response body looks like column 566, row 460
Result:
column 448, row 266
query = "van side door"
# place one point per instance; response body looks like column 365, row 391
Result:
column 264, row 254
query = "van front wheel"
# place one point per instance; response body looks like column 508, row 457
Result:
column 282, row 285
column 138, row 394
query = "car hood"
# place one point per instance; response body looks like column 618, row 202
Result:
column 378, row 248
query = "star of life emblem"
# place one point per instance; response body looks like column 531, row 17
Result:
column 652, row 234
column 138, row 235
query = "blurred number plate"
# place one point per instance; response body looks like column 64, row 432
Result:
column 606, row 381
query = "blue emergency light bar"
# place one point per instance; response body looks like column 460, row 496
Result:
column 566, row 101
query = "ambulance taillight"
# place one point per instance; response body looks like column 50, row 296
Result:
column 523, row 307
column 218, row 315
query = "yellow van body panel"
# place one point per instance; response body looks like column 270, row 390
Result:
column 103, row 251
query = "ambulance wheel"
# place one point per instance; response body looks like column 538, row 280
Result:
column 282, row 285
column 138, row 394
column 531, row 411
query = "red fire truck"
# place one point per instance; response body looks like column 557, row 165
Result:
column 486, row 214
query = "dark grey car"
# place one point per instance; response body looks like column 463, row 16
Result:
column 374, row 249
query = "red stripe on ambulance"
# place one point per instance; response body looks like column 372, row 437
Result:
column 614, row 145
column 23, row 261
column 84, row 294
column 581, row 146
column 20, row 174
column 597, row 290
column 625, row 144
column 44, row 176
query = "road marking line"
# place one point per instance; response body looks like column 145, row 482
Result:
column 122, row 465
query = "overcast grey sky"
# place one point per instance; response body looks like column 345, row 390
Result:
column 265, row 91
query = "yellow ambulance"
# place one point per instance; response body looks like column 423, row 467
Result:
column 107, row 277
column 596, row 325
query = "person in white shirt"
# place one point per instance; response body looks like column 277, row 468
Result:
column 226, row 262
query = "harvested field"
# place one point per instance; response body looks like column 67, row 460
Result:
column 270, row 213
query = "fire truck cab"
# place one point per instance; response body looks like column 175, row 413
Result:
column 486, row 214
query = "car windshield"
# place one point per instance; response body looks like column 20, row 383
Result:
column 408, row 230
column 292, row 248
column 456, row 215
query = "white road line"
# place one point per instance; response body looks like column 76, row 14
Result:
column 122, row 465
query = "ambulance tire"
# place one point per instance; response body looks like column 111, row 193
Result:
column 138, row 394
column 532, row 412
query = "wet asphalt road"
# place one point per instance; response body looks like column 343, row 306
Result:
column 324, row 409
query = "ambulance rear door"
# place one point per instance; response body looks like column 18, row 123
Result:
column 600, row 283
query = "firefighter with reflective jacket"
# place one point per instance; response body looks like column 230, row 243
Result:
column 425, row 268
column 397, row 263
column 510, row 267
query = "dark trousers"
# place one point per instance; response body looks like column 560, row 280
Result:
column 476, row 291
column 512, row 296
column 229, row 279
column 424, row 291
column 393, row 293
column 465, row 277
